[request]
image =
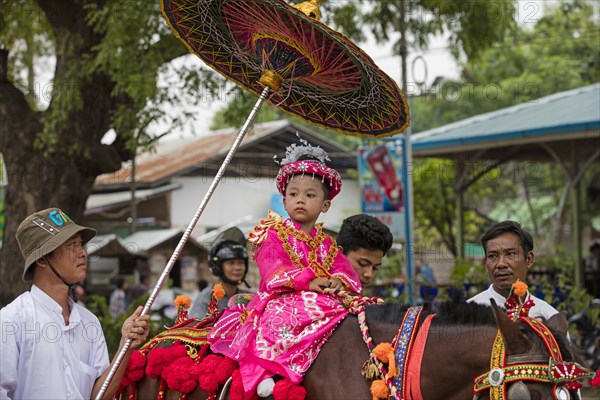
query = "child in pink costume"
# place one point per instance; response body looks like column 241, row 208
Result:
column 285, row 325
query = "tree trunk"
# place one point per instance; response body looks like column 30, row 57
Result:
column 61, row 171
column 36, row 180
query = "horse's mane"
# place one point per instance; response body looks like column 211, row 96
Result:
column 456, row 313
column 448, row 313
column 387, row 313
column 463, row 313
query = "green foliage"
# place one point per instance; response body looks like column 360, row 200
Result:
column 112, row 326
column 471, row 26
column 434, row 183
column 559, row 282
column 390, row 274
column 558, row 53
column 115, row 47
column 467, row 274
column 392, row 267
column 28, row 42
column 237, row 110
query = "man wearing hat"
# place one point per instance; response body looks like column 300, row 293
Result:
column 53, row 348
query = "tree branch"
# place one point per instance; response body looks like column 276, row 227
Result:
column 170, row 47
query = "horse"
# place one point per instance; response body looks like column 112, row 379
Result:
column 457, row 350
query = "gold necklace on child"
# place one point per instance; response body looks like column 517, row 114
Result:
column 284, row 232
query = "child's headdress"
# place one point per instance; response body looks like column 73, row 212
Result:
column 307, row 159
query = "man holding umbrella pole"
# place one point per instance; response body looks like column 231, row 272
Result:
column 53, row 348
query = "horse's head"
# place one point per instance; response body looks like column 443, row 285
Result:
column 527, row 364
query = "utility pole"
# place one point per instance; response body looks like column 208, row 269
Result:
column 133, row 206
column 408, row 150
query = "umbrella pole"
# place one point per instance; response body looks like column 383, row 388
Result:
column 186, row 234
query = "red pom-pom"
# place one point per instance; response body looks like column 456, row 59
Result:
column 136, row 366
column 210, row 363
column 183, row 375
column 224, row 370
column 286, row 390
column 123, row 384
column 134, row 370
column 207, row 379
column 160, row 357
column 297, row 392
column 214, row 372
column 595, row 381
column 208, row 383
column 236, row 390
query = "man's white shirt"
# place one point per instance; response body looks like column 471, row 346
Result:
column 540, row 309
column 41, row 357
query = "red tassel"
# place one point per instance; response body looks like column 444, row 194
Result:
column 161, row 390
column 207, row 367
column 224, row 370
column 159, row 358
column 236, row 390
column 136, row 366
column 595, row 381
column 286, row 390
column 132, row 392
column 183, row 376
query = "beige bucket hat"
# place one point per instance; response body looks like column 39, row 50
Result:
column 43, row 232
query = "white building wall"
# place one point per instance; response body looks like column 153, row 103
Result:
column 237, row 198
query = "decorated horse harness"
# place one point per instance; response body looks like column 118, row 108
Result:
column 504, row 370
column 186, row 364
column 509, row 369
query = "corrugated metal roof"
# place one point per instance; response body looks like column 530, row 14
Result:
column 575, row 113
column 103, row 201
column 204, row 153
column 109, row 245
column 246, row 225
column 144, row 241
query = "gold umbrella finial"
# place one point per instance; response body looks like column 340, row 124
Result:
column 310, row 8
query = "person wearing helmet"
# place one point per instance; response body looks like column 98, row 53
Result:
column 53, row 348
column 228, row 260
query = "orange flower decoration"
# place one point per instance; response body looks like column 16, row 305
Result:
column 382, row 351
column 519, row 288
column 380, row 389
column 183, row 301
column 218, row 292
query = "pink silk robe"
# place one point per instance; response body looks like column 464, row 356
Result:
column 284, row 326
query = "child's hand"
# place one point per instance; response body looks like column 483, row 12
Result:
column 317, row 284
column 336, row 283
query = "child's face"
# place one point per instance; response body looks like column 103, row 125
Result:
column 305, row 200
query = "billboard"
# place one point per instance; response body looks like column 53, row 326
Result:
column 383, row 182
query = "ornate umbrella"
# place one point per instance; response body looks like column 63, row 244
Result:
column 287, row 57
column 315, row 72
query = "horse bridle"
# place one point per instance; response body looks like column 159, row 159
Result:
column 505, row 370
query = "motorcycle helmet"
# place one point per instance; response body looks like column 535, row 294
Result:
column 229, row 245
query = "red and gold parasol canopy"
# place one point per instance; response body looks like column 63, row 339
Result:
column 313, row 71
